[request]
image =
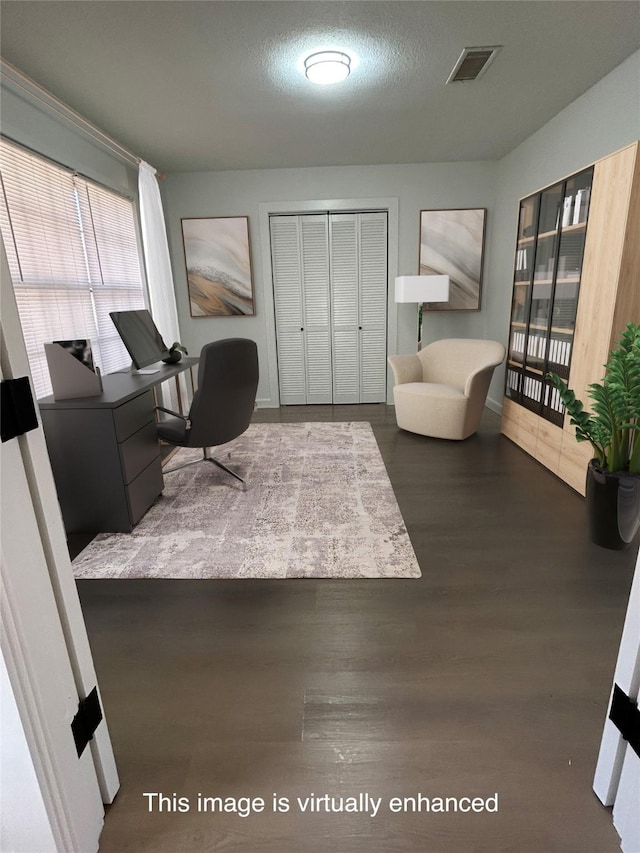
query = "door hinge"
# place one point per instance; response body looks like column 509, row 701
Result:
column 18, row 412
column 86, row 721
column 625, row 716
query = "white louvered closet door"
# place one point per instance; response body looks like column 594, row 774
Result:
column 286, row 266
column 300, row 264
column 372, row 257
column 359, row 306
column 345, row 311
column 330, row 287
column 314, row 243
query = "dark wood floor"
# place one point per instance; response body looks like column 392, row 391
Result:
column 489, row 674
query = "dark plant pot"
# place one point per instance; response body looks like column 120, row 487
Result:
column 613, row 507
column 173, row 357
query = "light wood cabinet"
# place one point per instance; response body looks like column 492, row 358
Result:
column 586, row 294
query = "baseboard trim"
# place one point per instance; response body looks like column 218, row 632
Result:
column 494, row 406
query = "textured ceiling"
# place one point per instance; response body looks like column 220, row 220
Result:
column 192, row 86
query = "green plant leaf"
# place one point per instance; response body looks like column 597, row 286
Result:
column 613, row 427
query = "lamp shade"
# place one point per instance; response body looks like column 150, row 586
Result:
column 422, row 288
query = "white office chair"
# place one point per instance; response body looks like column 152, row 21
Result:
column 441, row 391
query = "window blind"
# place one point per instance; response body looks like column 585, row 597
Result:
column 73, row 255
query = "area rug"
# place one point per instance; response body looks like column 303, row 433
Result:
column 318, row 504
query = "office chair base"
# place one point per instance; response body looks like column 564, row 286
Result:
column 178, row 467
column 225, row 468
column 207, row 458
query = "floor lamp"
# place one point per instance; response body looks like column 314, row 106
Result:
column 420, row 289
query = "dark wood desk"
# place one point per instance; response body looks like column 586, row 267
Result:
column 105, row 452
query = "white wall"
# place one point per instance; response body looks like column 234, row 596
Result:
column 420, row 186
column 603, row 120
column 37, row 127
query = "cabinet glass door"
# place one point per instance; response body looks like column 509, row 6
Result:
column 540, row 308
column 566, row 285
column 522, row 277
column 549, row 251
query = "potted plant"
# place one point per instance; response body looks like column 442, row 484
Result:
column 613, row 429
column 175, row 353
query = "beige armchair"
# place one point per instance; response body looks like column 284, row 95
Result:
column 441, row 391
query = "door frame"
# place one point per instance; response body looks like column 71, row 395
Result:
column 342, row 205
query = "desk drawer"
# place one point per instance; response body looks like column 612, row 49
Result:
column 143, row 491
column 138, row 451
column 129, row 417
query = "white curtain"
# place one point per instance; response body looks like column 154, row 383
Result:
column 158, row 264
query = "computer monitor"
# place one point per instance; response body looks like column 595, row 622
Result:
column 140, row 336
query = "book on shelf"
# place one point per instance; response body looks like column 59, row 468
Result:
column 581, row 204
column 517, row 342
column 521, row 260
column 542, row 347
column 560, row 352
column 552, row 399
column 532, row 388
column 537, row 346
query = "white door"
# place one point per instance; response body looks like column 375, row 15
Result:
column 287, row 274
column 372, row 256
column 617, row 777
column 330, row 289
column 314, row 250
column 300, row 262
column 39, row 671
column 44, row 643
column 345, row 307
column 358, row 250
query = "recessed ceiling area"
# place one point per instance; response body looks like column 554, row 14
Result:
column 216, row 85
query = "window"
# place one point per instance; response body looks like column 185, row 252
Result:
column 73, row 255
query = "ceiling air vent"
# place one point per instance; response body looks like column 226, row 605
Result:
column 472, row 63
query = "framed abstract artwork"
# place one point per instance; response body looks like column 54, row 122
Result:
column 452, row 243
column 218, row 261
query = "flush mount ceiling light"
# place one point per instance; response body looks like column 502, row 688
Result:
column 327, row 66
